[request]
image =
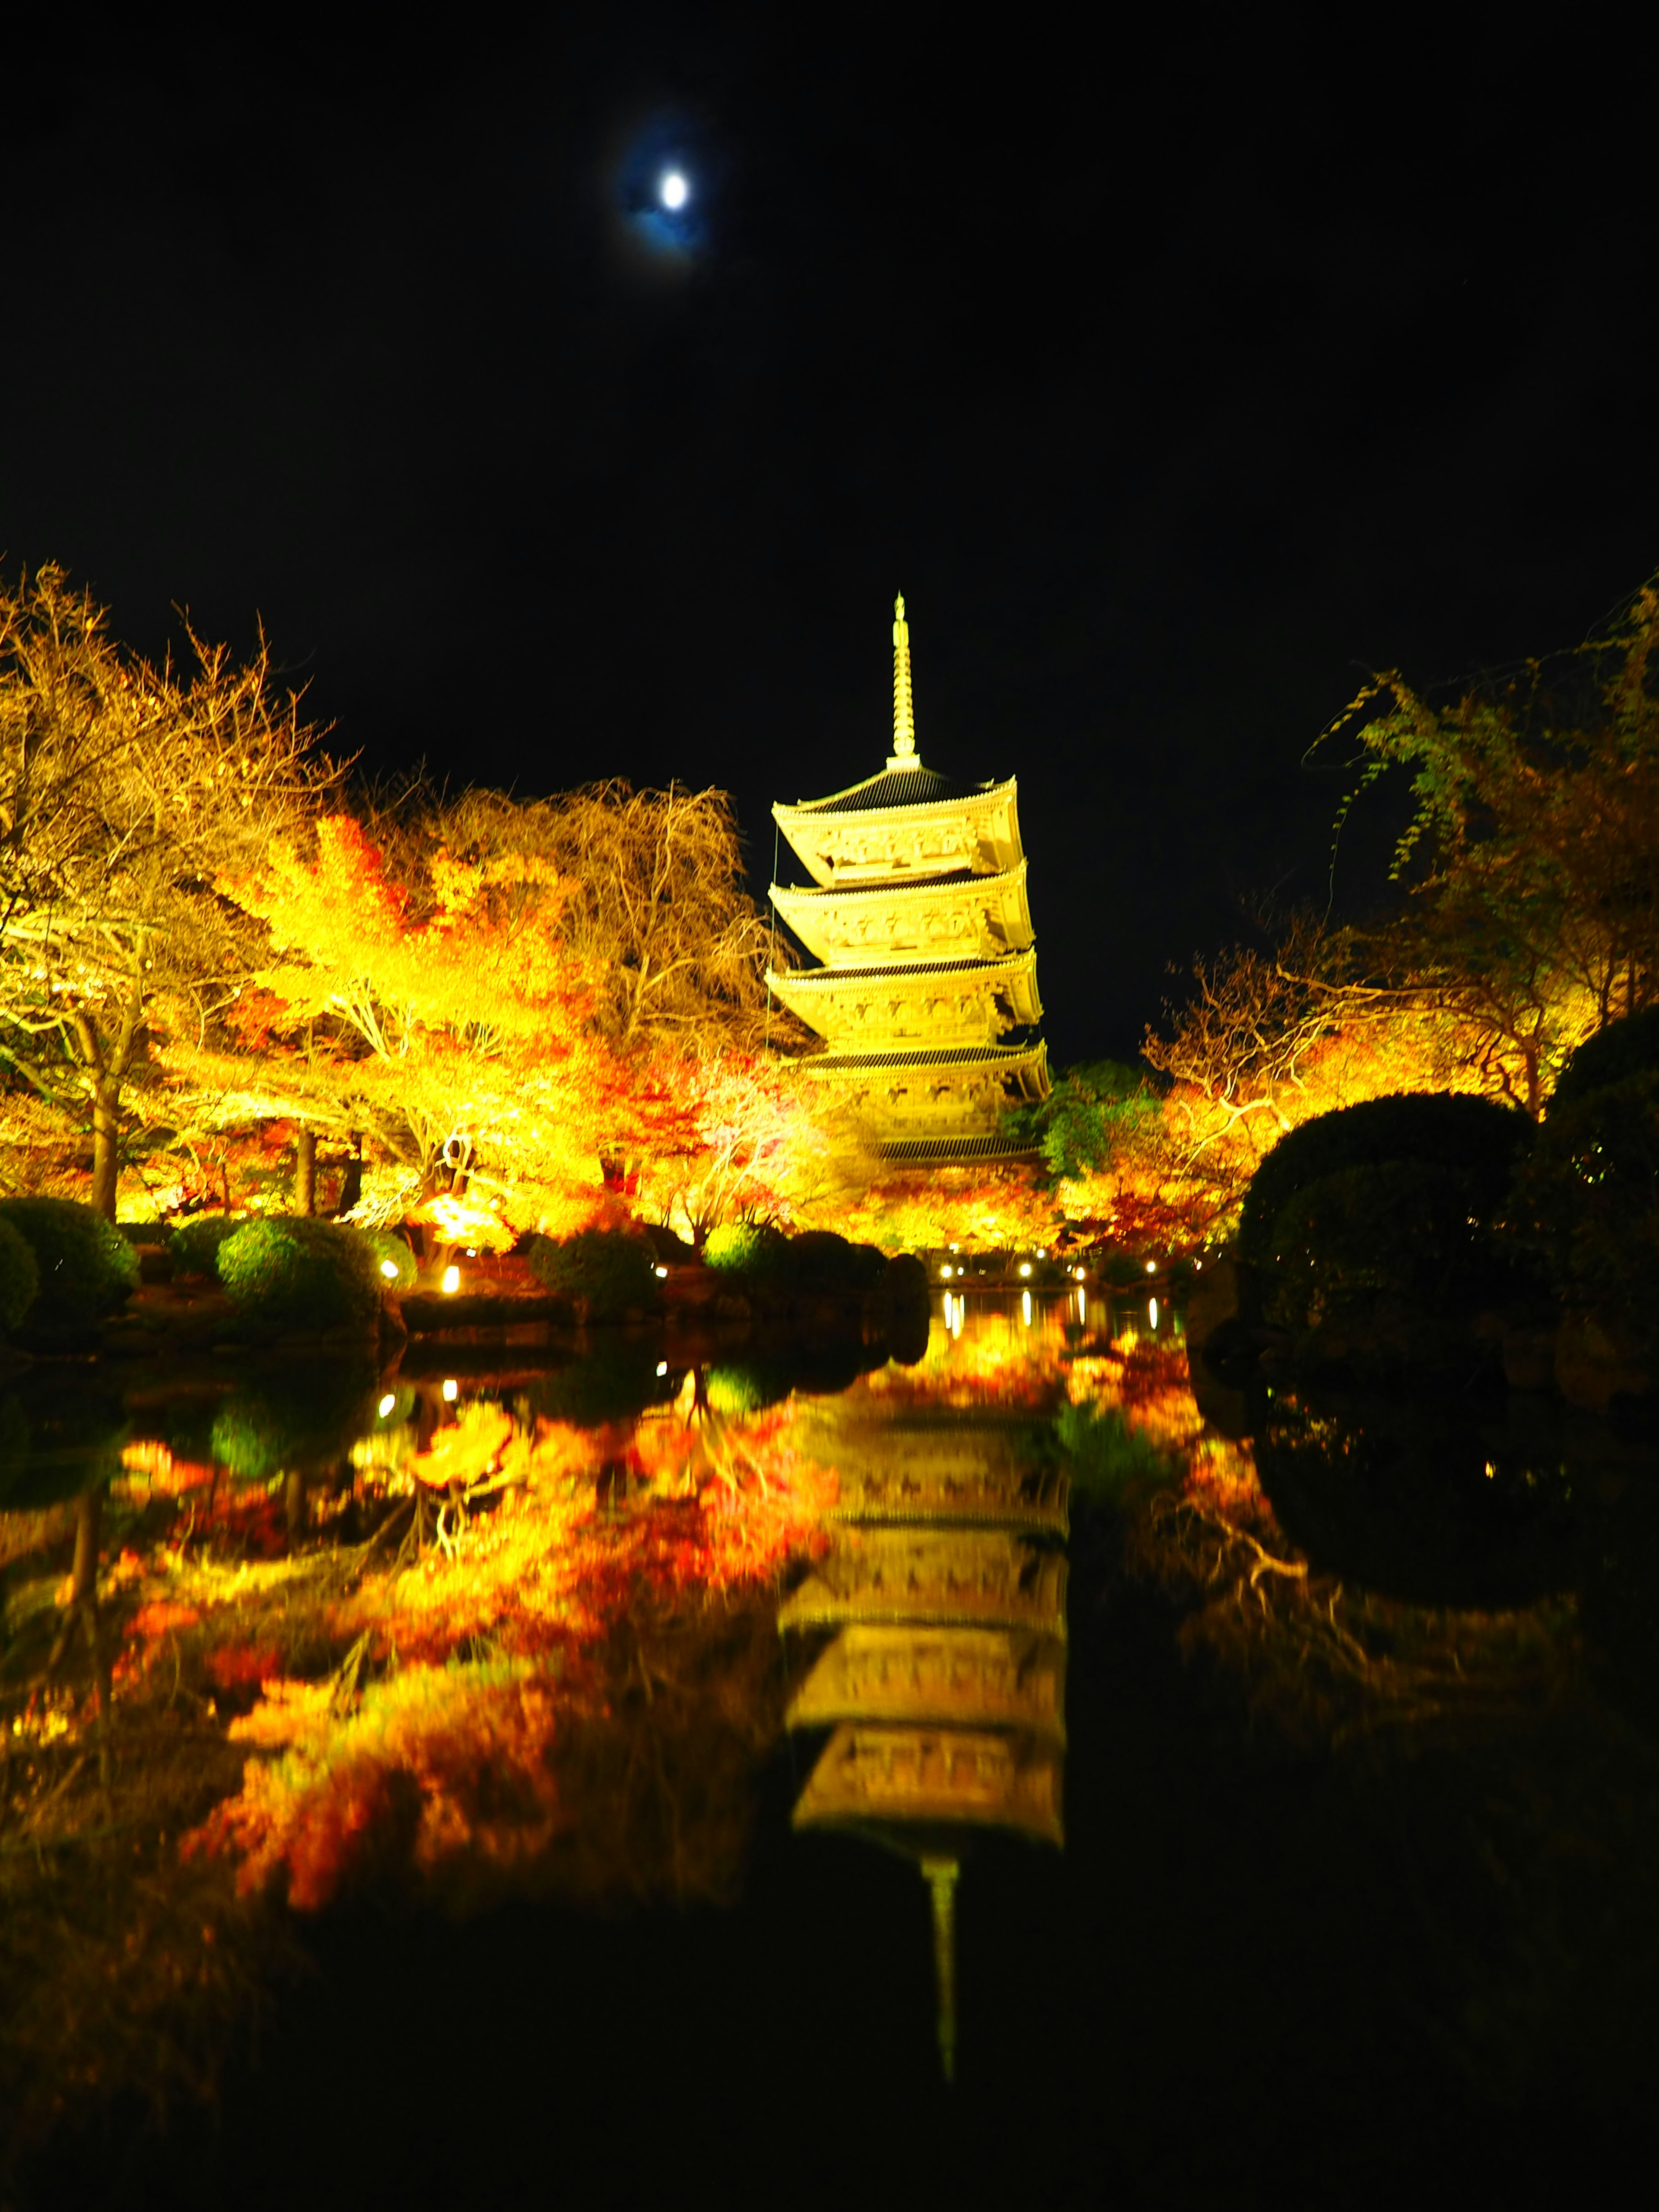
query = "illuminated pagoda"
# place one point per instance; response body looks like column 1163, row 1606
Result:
column 927, row 998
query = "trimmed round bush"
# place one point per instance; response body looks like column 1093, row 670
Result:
column 195, row 1243
column 610, row 1271
column 1587, row 1202
column 1627, row 1048
column 391, row 1250
column 85, row 1269
column 819, row 1260
column 1402, row 1230
column 1476, row 1137
column 19, row 1278
column 748, row 1248
column 292, row 1270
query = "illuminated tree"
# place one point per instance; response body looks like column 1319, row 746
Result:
column 1532, row 853
column 655, row 912
column 125, row 793
column 446, row 1016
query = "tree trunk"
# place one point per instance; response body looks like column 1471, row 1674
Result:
column 305, row 1172
column 106, row 1144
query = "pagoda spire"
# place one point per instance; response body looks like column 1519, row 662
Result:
column 903, row 754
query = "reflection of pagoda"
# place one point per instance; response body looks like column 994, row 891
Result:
column 944, row 1686
column 920, row 920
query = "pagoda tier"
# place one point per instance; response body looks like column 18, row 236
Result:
column 953, row 1090
column 905, row 822
column 951, row 918
column 943, row 1002
column 920, row 917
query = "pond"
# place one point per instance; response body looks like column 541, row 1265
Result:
column 1011, row 1768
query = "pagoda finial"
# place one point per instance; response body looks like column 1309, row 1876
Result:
column 903, row 754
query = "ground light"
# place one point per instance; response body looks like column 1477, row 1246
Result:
column 451, row 1390
column 452, row 1278
column 661, row 1274
column 388, row 1403
column 389, row 1269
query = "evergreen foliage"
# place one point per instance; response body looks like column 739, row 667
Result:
column 1477, row 1136
column 390, row 1250
column 86, row 1270
column 610, row 1272
column 1586, row 1202
column 1092, row 1111
column 1411, row 1230
column 294, row 1272
column 195, row 1243
column 748, row 1248
column 1627, row 1048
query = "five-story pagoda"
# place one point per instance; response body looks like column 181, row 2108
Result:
column 920, row 918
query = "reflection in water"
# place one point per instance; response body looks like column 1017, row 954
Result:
column 943, row 1687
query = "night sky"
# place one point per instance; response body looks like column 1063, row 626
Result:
column 1176, row 381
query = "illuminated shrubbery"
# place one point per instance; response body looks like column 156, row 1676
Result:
column 390, row 1250
column 818, row 1260
column 86, row 1268
column 610, row 1272
column 296, row 1273
column 195, row 1244
column 749, row 1250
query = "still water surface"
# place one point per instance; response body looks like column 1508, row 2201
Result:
column 870, row 1776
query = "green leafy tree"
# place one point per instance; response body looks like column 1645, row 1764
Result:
column 1092, row 1113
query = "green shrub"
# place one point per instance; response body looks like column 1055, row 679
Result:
column 611, row 1271
column 294, row 1272
column 747, row 1248
column 1410, row 1230
column 819, row 1260
column 1449, row 1129
column 1627, row 1048
column 85, row 1270
column 19, row 1278
column 1586, row 1202
column 195, row 1243
column 390, row 1248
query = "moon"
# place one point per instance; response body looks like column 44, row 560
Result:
column 674, row 191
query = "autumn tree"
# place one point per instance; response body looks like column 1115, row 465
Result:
column 656, row 914
column 449, row 1017
column 1530, row 861
column 126, row 791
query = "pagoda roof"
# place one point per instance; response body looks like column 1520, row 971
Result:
column 920, row 1151
column 951, row 1056
column 886, row 972
column 898, row 787
column 806, row 896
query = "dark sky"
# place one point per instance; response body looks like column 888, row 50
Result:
column 1176, row 379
